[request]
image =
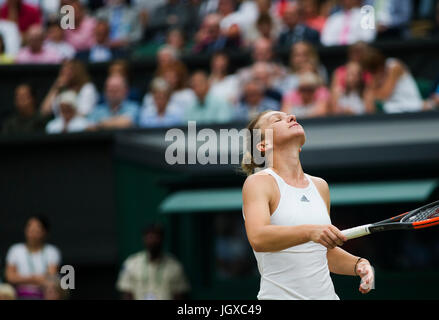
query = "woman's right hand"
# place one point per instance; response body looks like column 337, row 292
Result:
column 327, row 235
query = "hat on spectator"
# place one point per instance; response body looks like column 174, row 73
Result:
column 309, row 79
column 68, row 97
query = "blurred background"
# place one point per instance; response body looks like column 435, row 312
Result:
column 84, row 113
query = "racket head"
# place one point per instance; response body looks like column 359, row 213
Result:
column 425, row 216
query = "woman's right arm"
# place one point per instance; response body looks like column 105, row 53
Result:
column 265, row 237
column 14, row 278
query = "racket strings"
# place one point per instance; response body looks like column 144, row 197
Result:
column 427, row 213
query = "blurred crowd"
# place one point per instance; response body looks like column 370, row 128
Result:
column 119, row 31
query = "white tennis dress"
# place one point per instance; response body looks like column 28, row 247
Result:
column 300, row 272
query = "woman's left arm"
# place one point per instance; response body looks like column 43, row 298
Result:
column 342, row 262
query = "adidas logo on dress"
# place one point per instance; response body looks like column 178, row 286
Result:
column 304, row 199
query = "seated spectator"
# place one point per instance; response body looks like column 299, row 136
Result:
column 7, row 292
column 11, row 37
column 55, row 40
column 170, row 15
column 232, row 24
column 221, row 82
column 124, row 26
column 28, row 263
column 254, row 101
column 82, row 36
column 303, row 58
column 392, row 83
column 309, row 100
column 208, row 108
column 167, row 57
column 210, row 38
column 117, row 111
column 101, row 50
column 265, row 24
column 261, row 72
column 122, row 67
column 132, row 282
column 392, row 18
column 262, row 51
column 312, row 14
column 354, row 98
column 4, row 57
column 68, row 120
column 72, row 76
column 27, row 118
column 160, row 111
column 344, row 27
column 35, row 51
column 52, row 289
column 176, row 39
column 356, row 52
column 21, row 13
column 293, row 30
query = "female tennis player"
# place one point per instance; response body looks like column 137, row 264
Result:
column 287, row 219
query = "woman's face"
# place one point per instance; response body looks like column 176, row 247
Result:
column 353, row 75
column 24, row 100
column 34, row 232
column 299, row 56
column 307, row 93
column 284, row 128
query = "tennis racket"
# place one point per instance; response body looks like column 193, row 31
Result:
column 423, row 217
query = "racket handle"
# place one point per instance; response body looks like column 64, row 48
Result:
column 356, row 232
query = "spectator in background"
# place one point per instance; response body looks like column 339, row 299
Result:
column 73, row 75
column 265, row 23
column 160, row 111
column 123, row 20
column 68, row 120
column 101, row 50
column 261, row 72
column 170, row 15
column 208, row 107
column 309, row 100
column 82, row 36
column 392, row 18
column 232, row 24
column 4, row 57
column 354, row 97
column 7, row 292
column 122, row 67
column 210, row 38
column 294, row 30
column 152, row 274
column 27, row 118
column 167, row 57
column 176, row 39
column 21, row 13
column 356, row 53
column 221, row 82
column 117, row 112
column 11, row 37
column 28, row 264
column 262, row 51
column 35, row 51
column 254, row 101
column 312, row 14
column 344, row 27
column 392, row 83
column 55, row 40
column 303, row 58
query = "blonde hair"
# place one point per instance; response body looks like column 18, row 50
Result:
column 248, row 164
column 7, row 292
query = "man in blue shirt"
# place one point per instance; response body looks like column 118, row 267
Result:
column 117, row 111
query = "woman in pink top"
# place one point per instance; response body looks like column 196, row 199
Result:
column 309, row 100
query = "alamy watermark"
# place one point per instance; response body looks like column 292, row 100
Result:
column 207, row 146
column 67, row 14
column 67, row 281
column 367, row 17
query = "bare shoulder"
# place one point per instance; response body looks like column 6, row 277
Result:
column 320, row 183
column 259, row 184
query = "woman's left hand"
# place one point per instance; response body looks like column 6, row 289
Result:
column 367, row 275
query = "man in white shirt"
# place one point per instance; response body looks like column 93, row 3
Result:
column 345, row 27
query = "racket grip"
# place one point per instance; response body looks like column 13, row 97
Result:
column 356, row 232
